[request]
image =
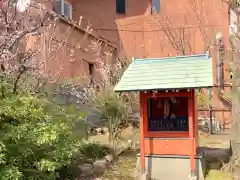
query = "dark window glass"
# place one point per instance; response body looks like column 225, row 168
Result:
column 121, row 6
column 63, row 8
column 168, row 114
column 155, row 6
column 91, row 70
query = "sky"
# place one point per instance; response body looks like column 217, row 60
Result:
column 22, row 5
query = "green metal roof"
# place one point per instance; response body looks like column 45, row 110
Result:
column 193, row 71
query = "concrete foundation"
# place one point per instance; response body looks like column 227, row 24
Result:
column 142, row 176
column 162, row 167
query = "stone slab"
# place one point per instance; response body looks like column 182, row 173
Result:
column 172, row 167
column 142, row 176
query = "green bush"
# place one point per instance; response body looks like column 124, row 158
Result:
column 36, row 137
column 94, row 150
column 89, row 153
column 114, row 109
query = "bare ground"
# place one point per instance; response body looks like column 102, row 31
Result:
column 215, row 147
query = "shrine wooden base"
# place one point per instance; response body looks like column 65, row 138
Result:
column 171, row 167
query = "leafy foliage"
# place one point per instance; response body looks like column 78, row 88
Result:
column 204, row 99
column 94, row 150
column 36, row 137
column 113, row 108
column 235, row 3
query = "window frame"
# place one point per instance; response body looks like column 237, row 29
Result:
column 62, row 8
column 91, row 71
column 175, row 122
column 220, row 66
column 158, row 10
column 70, row 9
column 121, row 10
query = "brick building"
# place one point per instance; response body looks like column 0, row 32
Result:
column 155, row 28
column 70, row 48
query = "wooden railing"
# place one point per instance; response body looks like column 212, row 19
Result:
column 170, row 124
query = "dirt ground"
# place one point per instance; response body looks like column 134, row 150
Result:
column 124, row 168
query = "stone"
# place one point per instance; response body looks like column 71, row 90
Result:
column 109, row 158
column 85, row 170
column 99, row 167
column 192, row 177
column 130, row 143
column 105, row 130
column 99, row 130
column 215, row 165
column 89, row 161
column 142, row 176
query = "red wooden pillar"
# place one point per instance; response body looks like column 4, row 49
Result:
column 142, row 145
column 191, row 121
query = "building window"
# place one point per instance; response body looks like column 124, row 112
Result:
column 121, row 6
column 220, row 66
column 155, row 6
column 168, row 114
column 63, row 8
column 209, row 93
column 90, row 71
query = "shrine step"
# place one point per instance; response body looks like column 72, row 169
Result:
column 172, row 167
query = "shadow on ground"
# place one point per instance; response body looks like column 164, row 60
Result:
column 124, row 168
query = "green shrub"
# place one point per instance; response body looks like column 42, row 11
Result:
column 36, row 137
column 94, row 150
column 114, row 109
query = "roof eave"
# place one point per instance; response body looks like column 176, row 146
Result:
column 159, row 89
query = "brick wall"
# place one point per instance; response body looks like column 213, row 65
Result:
column 140, row 34
column 67, row 48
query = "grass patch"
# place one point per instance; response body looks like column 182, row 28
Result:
column 214, row 141
column 94, row 151
column 219, row 175
column 124, row 168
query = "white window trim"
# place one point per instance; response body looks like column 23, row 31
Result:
column 70, row 5
column 62, row 2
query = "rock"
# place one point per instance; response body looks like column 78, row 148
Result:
column 92, row 131
column 215, row 154
column 99, row 130
column 99, row 167
column 85, row 170
column 109, row 158
column 105, row 130
column 192, row 178
column 215, row 165
column 130, row 143
column 142, row 176
column 89, row 161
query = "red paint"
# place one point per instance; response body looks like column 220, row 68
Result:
column 191, row 106
column 178, row 109
column 142, row 145
column 168, row 145
column 69, row 1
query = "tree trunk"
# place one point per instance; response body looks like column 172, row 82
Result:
column 235, row 127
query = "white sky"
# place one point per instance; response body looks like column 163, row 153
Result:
column 22, row 5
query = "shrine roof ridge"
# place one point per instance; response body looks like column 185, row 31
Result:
column 193, row 71
column 172, row 58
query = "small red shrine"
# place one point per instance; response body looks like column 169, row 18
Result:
column 168, row 125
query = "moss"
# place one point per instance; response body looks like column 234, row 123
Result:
column 218, row 175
